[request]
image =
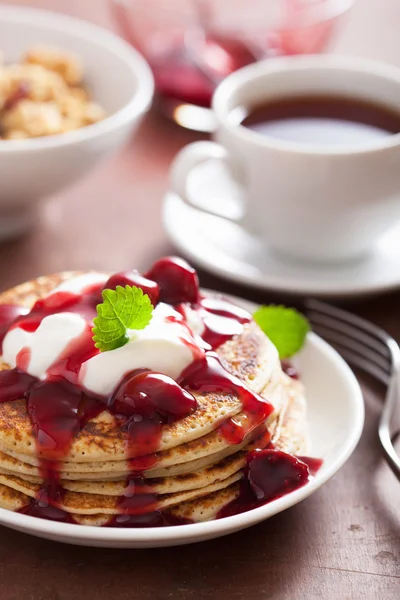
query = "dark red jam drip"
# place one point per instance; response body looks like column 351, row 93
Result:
column 270, row 474
column 177, row 280
column 273, row 473
column 208, row 375
column 58, row 410
column 14, row 384
column 137, row 499
column 43, row 507
column 147, row 401
column 140, row 464
column 142, row 403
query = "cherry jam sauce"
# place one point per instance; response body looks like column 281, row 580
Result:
column 268, row 475
column 208, row 375
column 142, row 403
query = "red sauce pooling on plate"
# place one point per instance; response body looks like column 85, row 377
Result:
column 142, row 403
column 270, row 474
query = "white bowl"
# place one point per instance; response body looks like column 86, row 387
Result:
column 335, row 417
column 118, row 78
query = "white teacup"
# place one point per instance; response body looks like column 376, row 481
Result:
column 311, row 202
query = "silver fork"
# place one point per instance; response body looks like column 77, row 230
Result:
column 369, row 348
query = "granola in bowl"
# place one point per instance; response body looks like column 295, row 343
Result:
column 44, row 94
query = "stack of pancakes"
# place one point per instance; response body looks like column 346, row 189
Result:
column 196, row 471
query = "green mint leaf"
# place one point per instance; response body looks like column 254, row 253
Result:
column 285, row 327
column 122, row 309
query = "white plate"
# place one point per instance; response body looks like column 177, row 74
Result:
column 336, row 417
column 229, row 251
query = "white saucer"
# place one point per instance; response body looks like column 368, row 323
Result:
column 335, row 417
column 229, row 251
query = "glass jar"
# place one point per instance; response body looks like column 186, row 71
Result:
column 191, row 45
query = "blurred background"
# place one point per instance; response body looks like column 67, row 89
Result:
column 372, row 23
column 184, row 41
column 192, row 45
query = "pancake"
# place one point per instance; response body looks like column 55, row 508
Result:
column 290, row 431
column 220, row 468
column 90, row 503
column 198, row 449
column 251, row 356
column 200, row 460
column 291, row 436
column 94, row 455
column 205, row 508
column 200, row 510
column 196, row 504
column 10, row 463
column 162, row 485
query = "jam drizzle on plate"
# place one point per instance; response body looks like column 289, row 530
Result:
column 268, row 475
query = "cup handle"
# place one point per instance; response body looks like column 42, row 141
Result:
column 195, row 154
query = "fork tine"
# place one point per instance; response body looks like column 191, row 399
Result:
column 362, row 344
column 386, row 439
column 358, row 361
column 353, row 333
column 356, row 335
column 342, row 315
column 351, row 343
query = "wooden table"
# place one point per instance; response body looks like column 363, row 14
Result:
column 343, row 542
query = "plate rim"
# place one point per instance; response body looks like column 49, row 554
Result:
column 252, row 282
column 183, row 534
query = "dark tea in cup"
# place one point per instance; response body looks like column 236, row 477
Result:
column 322, row 120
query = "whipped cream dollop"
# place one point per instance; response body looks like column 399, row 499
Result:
column 44, row 345
column 167, row 345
